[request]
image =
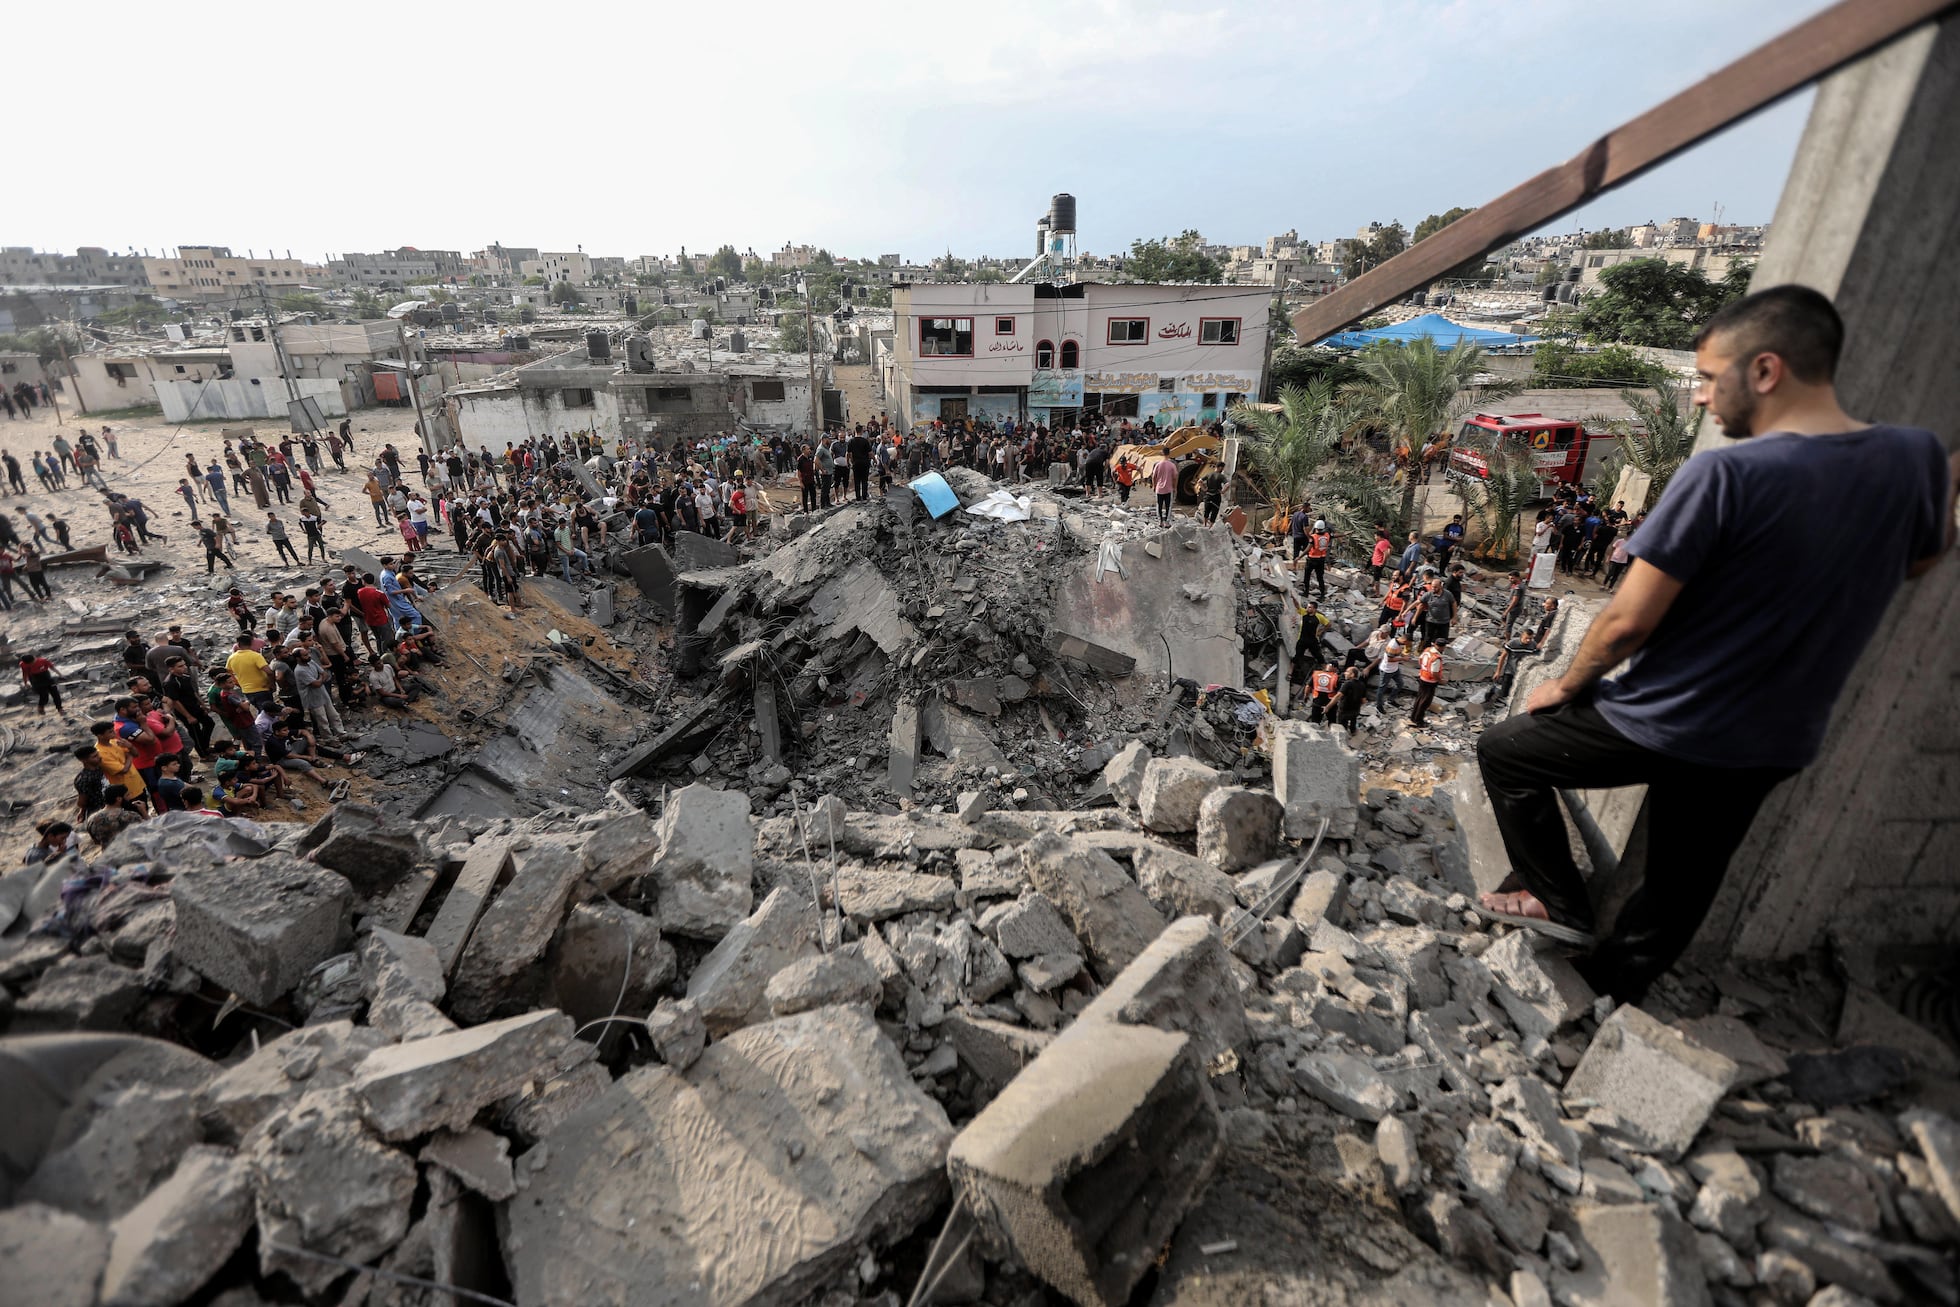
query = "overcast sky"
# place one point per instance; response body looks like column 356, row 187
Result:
column 871, row 127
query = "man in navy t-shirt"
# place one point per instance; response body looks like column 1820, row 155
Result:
column 1727, row 688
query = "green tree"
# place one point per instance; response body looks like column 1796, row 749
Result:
column 368, row 305
column 302, row 302
column 1415, row 392
column 1609, row 240
column 754, row 270
column 1178, row 258
column 791, row 335
column 1360, row 256
column 725, row 262
column 1302, row 365
column 1657, row 303
column 1499, row 500
column 1558, row 365
column 1471, row 269
column 822, row 259
column 42, row 342
column 1657, row 440
column 566, row 293
column 1288, row 449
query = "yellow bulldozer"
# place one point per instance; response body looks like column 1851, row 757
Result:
column 1192, row 449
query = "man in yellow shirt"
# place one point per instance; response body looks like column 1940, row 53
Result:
column 254, row 677
column 118, row 763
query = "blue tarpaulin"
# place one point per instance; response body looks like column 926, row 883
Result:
column 1446, row 334
column 935, row 494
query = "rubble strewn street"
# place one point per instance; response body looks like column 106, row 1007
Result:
column 938, row 958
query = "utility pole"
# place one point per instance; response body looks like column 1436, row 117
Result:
column 414, row 391
column 61, row 343
column 279, row 353
column 810, row 351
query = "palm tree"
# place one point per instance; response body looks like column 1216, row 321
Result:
column 1499, row 500
column 1659, row 438
column 1288, row 448
column 1417, row 391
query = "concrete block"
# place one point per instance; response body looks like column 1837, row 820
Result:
column 617, row 852
column 1348, row 1085
column 1238, row 828
column 310, row 1058
column 1316, row 775
column 164, row 1249
column 1830, row 1188
column 324, row 1183
column 1322, row 896
column 1172, row 791
column 1183, row 981
column 1532, row 1109
column 1416, row 955
column 730, row 985
column 478, row 1158
column 128, row 1140
column 364, row 844
column 484, row 867
column 1084, row 1164
column 1124, row 772
column 756, row 1178
column 258, row 927
column 402, row 978
column 442, row 1082
column 514, row 932
column 1539, row 990
column 1636, row 1256
column 1109, row 913
column 902, row 767
column 52, row 1258
column 825, row 980
column 706, row 862
column 1180, row 885
column 994, row 1051
column 653, row 571
column 1029, row 927
column 879, row 894
column 677, row 1031
column 1660, row 1086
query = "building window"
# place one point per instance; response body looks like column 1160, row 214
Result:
column 258, row 333
column 1044, row 354
column 1003, row 326
column 766, row 392
column 946, row 337
column 575, row 397
column 1167, row 385
column 1218, row 331
column 1210, row 400
column 180, row 367
column 1071, row 354
column 1128, row 331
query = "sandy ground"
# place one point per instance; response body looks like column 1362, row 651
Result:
column 36, row 767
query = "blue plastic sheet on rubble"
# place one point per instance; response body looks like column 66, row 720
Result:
column 935, row 494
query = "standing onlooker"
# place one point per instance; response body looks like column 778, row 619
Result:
column 38, row 674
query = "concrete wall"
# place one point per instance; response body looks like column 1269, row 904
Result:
column 238, row 397
column 1864, row 846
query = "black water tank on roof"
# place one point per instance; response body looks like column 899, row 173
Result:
column 598, row 345
column 1061, row 213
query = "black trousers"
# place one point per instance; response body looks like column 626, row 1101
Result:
column 1316, row 570
column 1696, row 814
column 861, row 480
column 1425, row 695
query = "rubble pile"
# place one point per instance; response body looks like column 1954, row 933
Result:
column 1215, row 1042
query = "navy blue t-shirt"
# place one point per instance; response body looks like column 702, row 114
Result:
column 1788, row 548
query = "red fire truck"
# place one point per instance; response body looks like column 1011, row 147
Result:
column 1555, row 447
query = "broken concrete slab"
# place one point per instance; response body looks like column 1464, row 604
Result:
column 1172, row 791
column 1180, row 885
column 861, row 599
column 823, row 981
column 1530, row 1106
column 1939, row 1144
column 684, row 736
column 1659, row 1085
column 1149, row 615
column 906, row 740
column 164, row 1249
column 1110, row 915
column 604, row 960
column 401, row 975
column 1347, row 1084
column 310, row 1058
column 706, row 862
column 188, row 839
column 324, row 1183
column 52, row 1258
column 1315, row 775
column 1124, row 772
column 484, row 868
column 443, row 1081
column 994, row 1051
column 131, row 1139
column 877, row 894
column 1084, row 1164
column 653, row 571
column 1641, row 1256
column 1238, row 828
column 1111, row 662
column 1183, row 981
column 258, row 927
column 1830, row 1188
column 514, row 931
column 614, row 1209
column 80, row 993
column 1029, row 927
column 1538, row 989
column 480, row 1159
column 364, row 844
column 730, row 985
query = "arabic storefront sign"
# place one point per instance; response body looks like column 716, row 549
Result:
column 1202, row 381
column 1120, row 383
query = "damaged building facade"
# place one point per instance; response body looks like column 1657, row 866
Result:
column 1039, row 352
column 646, row 397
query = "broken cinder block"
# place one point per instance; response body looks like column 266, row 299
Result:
column 1661, row 1086
column 258, row 927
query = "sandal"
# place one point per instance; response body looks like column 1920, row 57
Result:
column 1569, row 935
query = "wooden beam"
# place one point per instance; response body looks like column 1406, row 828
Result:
column 1751, row 84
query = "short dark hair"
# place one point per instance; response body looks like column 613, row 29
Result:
column 1796, row 323
column 192, row 796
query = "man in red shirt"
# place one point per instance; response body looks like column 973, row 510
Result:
column 1429, row 675
column 1379, row 559
column 38, row 673
column 374, row 611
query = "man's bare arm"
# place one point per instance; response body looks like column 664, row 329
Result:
column 1921, row 566
column 1642, row 599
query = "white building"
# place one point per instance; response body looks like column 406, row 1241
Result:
column 1037, row 352
column 554, row 268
